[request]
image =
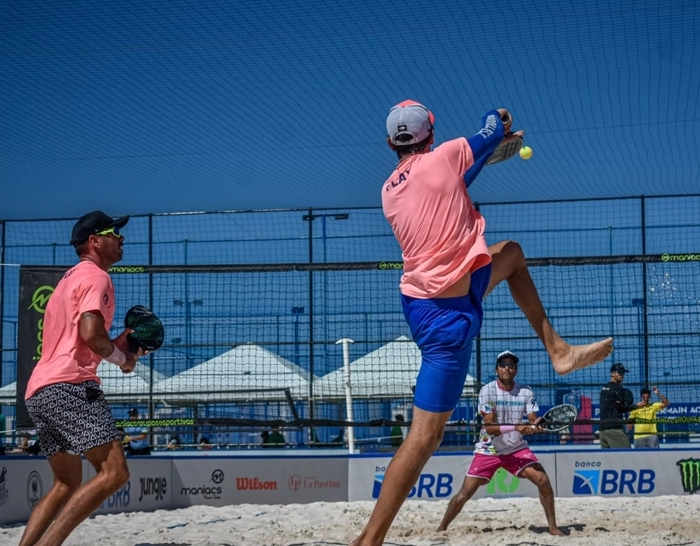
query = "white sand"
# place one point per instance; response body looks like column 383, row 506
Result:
column 593, row 521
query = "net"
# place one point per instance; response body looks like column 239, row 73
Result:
column 263, row 345
column 256, row 346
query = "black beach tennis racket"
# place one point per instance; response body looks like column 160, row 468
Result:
column 511, row 143
column 558, row 418
column 147, row 333
column 509, row 146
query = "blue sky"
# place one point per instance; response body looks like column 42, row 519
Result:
column 152, row 106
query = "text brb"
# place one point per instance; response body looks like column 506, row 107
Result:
column 428, row 486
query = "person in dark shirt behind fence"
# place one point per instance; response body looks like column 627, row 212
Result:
column 613, row 406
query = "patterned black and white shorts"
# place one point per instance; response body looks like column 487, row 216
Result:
column 71, row 418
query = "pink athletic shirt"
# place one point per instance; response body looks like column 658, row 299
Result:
column 440, row 232
column 65, row 357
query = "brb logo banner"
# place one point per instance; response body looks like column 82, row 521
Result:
column 590, row 479
column 428, row 486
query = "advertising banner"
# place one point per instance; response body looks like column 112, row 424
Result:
column 162, row 482
column 220, row 481
column 674, row 410
column 628, row 473
column 36, row 285
column 149, row 487
column 441, row 478
column 23, row 481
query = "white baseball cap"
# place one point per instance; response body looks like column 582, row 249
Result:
column 507, row 354
column 409, row 122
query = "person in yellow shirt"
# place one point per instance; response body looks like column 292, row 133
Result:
column 645, row 434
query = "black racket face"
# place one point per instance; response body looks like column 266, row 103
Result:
column 505, row 150
column 558, row 418
column 148, row 332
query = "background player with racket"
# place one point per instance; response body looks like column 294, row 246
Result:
column 501, row 443
column 63, row 395
column 448, row 271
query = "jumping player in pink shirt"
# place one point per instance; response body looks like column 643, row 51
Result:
column 448, row 271
column 63, row 396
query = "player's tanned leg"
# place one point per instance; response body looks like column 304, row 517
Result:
column 67, row 477
column 402, row 473
column 112, row 473
column 509, row 264
column 537, row 475
column 466, row 492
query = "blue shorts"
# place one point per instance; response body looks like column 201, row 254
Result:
column 444, row 330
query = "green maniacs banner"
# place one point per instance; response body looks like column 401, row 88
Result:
column 36, row 285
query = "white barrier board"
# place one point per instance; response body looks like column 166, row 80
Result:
column 23, row 481
column 628, row 473
column 220, row 481
column 441, row 478
column 163, row 482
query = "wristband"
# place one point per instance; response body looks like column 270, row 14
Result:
column 507, row 428
column 116, row 357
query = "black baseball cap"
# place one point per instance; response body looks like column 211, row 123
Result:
column 133, row 411
column 91, row 224
column 618, row 367
column 507, row 354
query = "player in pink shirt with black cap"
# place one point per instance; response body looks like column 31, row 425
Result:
column 448, row 271
column 63, row 395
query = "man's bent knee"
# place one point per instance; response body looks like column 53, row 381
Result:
column 540, row 479
column 122, row 476
column 66, row 489
column 115, row 478
column 514, row 251
column 470, row 486
column 424, row 442
column 428, row 433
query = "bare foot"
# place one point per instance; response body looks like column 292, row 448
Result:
column 556, row 532
column 577, row 357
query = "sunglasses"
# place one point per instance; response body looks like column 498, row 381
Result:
column 507, row 365
column 113, row 231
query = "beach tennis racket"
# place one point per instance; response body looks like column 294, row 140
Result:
column 509, row 146
column 147, row 333
column 511, row 143
column 558, row 418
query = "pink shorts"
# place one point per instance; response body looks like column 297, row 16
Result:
column 485, row 466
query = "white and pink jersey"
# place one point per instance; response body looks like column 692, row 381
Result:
column 65, row 357
column 440, row 232
column 509, row 407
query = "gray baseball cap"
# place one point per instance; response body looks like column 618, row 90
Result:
column 409, row 122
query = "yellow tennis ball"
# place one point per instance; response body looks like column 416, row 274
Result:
column 526, row 152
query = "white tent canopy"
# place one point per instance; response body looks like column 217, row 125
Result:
column 8, row 394
column 387, row 372
column 132, row 387
column 246, row 373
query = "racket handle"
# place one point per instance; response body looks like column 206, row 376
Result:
column 506, row 119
